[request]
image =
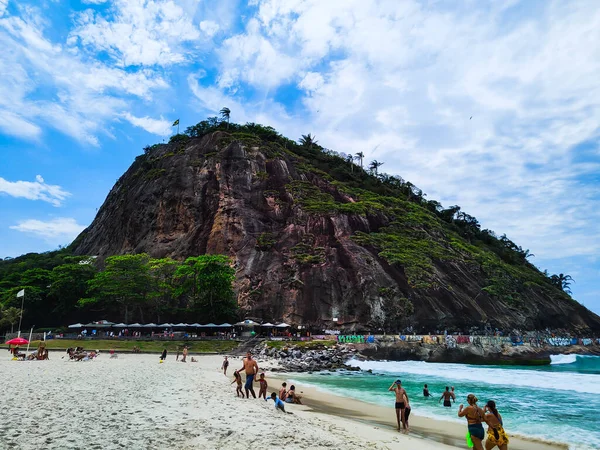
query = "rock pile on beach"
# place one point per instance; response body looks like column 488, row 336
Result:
column 294, row 358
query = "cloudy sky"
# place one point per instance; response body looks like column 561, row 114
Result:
column 494, row 106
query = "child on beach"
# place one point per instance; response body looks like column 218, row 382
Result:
column 238, row 378
column 278, row 403
column 263, row 386
column 406, row 411
column 283, row 391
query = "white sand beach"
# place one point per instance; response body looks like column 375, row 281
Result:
column 134, row 402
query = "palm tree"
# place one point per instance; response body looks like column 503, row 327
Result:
column 225, row 113
column 349, row 159
column 308, row 140
column 375, row 165
column 359, row 157
column 563, row 282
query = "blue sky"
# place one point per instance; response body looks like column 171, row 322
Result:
column 85, row 85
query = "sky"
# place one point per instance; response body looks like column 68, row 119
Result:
column 494, row 106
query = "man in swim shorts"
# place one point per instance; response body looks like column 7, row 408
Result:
column 400, row 405
column 251, row 369
column 447, row 395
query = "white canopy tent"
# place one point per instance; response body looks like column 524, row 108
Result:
column 225, row 325
column 150, row 325
column 165, row 325
column 283, row 325
column 120, row 325
column 268, row 324
column 247, row 323
column 134, row 325
column 76, row 325
column 195, row 325
column 180, row 325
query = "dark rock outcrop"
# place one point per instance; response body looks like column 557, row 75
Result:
column 216, row 195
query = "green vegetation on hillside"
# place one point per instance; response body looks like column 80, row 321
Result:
column 126, row 288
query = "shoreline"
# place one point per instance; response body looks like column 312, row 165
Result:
column 322, row 402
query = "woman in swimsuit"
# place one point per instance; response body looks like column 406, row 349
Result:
column 475, row 417
column 496, row 436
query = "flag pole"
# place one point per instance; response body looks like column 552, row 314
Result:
column 30, row 334
column 21, row 318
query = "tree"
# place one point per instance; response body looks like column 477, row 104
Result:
column 207, row 282
column 125, row 281
column 349, row 158
column 68, row 284
column 563, row 282
column 225, row 113
column 359, row 157
column 162, row 272
column 375, row 165
column 10, row 316
column 307, row 140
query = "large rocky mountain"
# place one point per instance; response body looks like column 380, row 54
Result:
column 315, row 238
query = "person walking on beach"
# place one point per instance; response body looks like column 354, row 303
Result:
column 426, row 392
column 251, row 368
column 237, row 378
column 447, row 395
column 225, row 365
column 406, row 411
column 262, row 392
column 397, row 388
column 475, row 417
column 496, row 436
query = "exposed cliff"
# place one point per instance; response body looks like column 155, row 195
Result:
column 310, row 246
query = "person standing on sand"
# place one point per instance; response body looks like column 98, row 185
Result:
column 447, row 395
column 406, row 411
column 397, row 388
column 475, row 417
column 262, row 392
column 185, row 352
column 251, row 368
column 163, row 356
column 225, row 365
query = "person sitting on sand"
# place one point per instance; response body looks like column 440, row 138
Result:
column 251, row 368
column 397, row 388
column 278, row 403
column 496, row 436
column 426, row 392
column 225, row 365
column 447, row 395
column 292, row 397
column 283, row 391
column 237, row 378
column 194, row 359
column 262, row 392
column 475, row 417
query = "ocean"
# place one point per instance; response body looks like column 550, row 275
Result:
column 559, row 402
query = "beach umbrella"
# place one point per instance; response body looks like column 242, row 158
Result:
column 134, row 325
column 267, row 325
column 283, row 325
column 150, row 325
column 247, row 323
column 76, row 325
column 17, row 341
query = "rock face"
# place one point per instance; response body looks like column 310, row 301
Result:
column 216, row 194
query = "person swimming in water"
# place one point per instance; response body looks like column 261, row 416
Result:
column 496, row 436
column 426, row 392
column 475, row 418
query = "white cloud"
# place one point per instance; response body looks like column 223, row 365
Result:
column 209, row 27
column 400, row 81
column 160, row 127
column 94, row 2
column 34, row 190
column 65, row 228
column 137, row 32
column 3, row 7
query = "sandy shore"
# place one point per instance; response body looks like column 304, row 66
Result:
column 134, row 402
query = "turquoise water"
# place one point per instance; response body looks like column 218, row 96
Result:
column 559, row 402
